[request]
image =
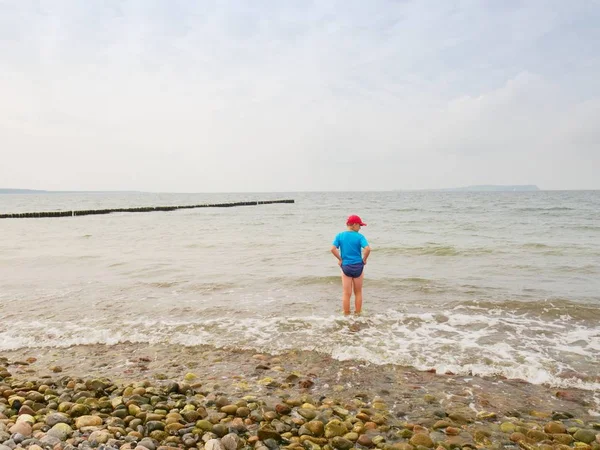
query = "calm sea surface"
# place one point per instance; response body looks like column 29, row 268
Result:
column 484, row 283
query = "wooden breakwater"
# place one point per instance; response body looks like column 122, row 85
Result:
column 90, row 212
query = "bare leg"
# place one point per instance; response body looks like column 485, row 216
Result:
column 346, row 293
column 357, row 284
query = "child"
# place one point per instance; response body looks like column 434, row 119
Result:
column 352, row 261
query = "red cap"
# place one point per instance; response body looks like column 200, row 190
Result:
column 355, row 219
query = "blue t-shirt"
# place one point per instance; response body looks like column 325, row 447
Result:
column 350, row 244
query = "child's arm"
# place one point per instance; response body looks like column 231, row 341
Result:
column 366, row 253
column 336, row 253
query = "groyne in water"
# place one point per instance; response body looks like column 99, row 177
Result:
column 90, row 212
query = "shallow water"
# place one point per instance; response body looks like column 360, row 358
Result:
column 473, row 283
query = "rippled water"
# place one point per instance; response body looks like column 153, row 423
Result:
column 484, row 283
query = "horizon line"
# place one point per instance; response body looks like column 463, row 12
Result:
column 130, row 191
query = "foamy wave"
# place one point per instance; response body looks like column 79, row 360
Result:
column 560, row 353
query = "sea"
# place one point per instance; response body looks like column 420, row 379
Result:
column 502, row 284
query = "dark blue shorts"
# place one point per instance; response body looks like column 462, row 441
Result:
column 353, row 270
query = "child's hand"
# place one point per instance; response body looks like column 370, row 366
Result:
column 365, row 261
column 340, row 262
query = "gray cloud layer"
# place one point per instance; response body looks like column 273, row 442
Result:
column 296, row 95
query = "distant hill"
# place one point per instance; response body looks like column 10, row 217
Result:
column 493, row 188
column 21, row 191
column 34, row 191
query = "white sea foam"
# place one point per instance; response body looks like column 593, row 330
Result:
column 420, row 341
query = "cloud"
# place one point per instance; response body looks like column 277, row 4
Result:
column 228, row 96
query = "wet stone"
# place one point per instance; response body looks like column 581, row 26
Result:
column 154, row 425
column 585, row 436
column 364, row 440
column 341, row 444
column 564, row 438
column 23, row 428
column 421, row 439
column 220, row 429
column 335, row 428
column 267, row 432
column 555, row 428
column 61, row 430
column 231, row 441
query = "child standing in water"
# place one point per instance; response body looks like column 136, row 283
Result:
column 352, row 251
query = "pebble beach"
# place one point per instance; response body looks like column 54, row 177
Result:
column 140, row 396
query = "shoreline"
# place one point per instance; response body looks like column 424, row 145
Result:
column 477, row 411
column 132, row 362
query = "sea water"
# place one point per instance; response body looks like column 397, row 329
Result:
column 495, row 283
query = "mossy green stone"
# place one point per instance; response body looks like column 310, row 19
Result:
column 335, row 428
column 120, row 413
column 105, row 404
column 429, row 398
column 26, row 418
column 159, row 435
column 309, row 445
column 154, row 425
column 406, row 433
column 220, row 429
column 352, row 436
column 64, row 407
column 153, row 416
column 537, row 436
column 586, row 436
column 342, row 444
column 563, row 438
column 35, row 396
column 190, row 416
column 204, row 425
column 378, row 440
column 79, row 410
column 308, row 414
column 242, row 411
column 61, row 430
column 90, row 402
column 581, row 446
column 378, row 419
column 135, row 423
column 229, row 409
column 341, row 412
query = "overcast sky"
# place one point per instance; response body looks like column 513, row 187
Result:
column 205, row 96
